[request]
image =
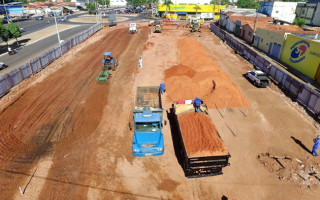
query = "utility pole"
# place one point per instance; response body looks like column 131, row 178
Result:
column 55, row 20
column 255, row 21
column 5, row 11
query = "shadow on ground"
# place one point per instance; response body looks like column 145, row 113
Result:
column 15, row 45
column 175, row 136
column 301, row 145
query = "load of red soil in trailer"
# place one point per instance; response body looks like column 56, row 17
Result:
column 200, row 135
column 199, row 76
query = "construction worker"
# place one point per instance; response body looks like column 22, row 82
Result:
column 197, row 103
column 316, row 146
column 162, row 88
column 140, row 63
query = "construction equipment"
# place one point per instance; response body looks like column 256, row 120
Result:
column 132, row 28
column 109, row 62
column 158, row 27
column 147, row 116
column 104, row 76
column 196, row 26
column 189, row 23
column 199, row 156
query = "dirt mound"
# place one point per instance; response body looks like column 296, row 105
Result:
column 198, row 75
column 180, row 70
column 202, row 139
column 148, row 45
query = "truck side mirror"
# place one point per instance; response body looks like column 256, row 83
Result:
column 130, row 127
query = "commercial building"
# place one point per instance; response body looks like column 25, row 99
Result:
column 271, row 38
column 303, row 55
column 192, row 11
column 309, row 11
column 280, row 11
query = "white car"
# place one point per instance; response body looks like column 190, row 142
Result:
column 259, row 78
column 3, row 66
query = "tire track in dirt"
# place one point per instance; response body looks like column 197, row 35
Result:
column 31, row 124
column 74, row 176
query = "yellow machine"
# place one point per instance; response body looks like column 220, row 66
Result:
column 196, row 26
column 158, row 27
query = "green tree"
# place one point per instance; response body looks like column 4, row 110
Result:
column 225, row 2
column 104, row 2
column 196, row 7
column 14, row 31
column 299, row 22
column 253, row 4
column 167, row 3
column 4, row 34
column 214, row 2
column 91, row 7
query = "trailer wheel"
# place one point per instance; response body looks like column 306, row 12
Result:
column 130, row 127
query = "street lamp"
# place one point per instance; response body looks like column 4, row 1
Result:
column 59, row 41
column 5, row 10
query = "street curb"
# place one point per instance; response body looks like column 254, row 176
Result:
column 39, row 39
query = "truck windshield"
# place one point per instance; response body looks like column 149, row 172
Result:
column 148, row 127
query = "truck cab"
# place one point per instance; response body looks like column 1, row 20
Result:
column 147, row 115
column 132, row 27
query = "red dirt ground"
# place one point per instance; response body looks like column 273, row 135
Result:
column 64, row 136
column 196, row 76
column 200, row 135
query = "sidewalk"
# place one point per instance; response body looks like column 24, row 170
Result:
column 33, row 37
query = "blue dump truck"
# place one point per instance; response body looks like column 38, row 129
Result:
column 147, row 115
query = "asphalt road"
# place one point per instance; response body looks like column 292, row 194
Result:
column 31, row 51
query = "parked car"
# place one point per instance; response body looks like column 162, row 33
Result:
column 11, row 19
column 62, row 19
column 258, row 78
column 3, row 66
column 22, row 29
column 117, row 11
column 38, row 17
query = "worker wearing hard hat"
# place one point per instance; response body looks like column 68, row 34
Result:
column 316, row 146
column 197, row 103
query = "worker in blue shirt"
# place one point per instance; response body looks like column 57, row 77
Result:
column 316, row 146
column 162, row 88
column 197, row 103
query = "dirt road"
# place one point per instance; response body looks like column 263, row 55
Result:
column 64, row 136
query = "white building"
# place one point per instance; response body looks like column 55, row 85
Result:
column 118, row 3
column 188, row 2
column 281, row 11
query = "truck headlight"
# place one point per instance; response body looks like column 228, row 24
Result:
column 135, row 150
column 160, row 149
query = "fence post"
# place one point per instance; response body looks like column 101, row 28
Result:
column 40, row 62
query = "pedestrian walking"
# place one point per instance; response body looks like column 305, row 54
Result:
column 150, row 31
column 162, row 88
column 140, row 62
column 177, row 25
column 139, row 31
column 316, row 146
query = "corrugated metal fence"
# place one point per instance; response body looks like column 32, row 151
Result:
column 17, row 75
column 297, row 90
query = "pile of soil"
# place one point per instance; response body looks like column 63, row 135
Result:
column 199, row 76
column 200, row 135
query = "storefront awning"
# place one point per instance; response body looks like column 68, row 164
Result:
column 181, row 13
